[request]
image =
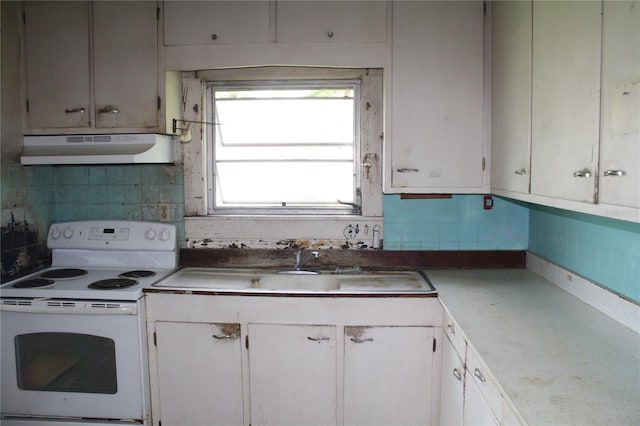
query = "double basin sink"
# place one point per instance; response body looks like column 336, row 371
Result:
column 264, row 280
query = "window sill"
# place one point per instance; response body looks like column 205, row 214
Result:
column 254, row 231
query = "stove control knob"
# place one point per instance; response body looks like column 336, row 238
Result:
column 150, row 234
column 55, row 234
column 67, row 233
column 164, row 235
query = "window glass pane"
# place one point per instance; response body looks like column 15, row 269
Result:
column 284, row 145
column 66, row 362
column 284, row 184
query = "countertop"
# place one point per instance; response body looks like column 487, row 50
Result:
column 559, row 360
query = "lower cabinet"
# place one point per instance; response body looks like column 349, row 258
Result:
column 388, row 375
column 199, row 373
column 476, row 409
column 343, row 363
column 451, row 385
column 292, row 372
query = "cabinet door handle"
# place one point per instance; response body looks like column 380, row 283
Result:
column 224, row 336
column 479, row 375
column 457, row 375
column 318, row 339
column 108, row 110
column 358, row 340
column 614, row 173
column 407, row 170
column 584, row 173
column 74, row 110
column 521, row 172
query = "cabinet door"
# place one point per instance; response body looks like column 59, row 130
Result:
column 452, row 386
column 565, row 99
column 476, row 410
column 57, row 60
column 387, row 375
column 511, row 96
column 436, row 140
column 215, row 22
column 199, row 374
column 331, row 21
column 620, row 138
column 125, row 64
column 293, row 374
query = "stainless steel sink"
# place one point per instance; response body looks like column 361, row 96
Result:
column 295, row 281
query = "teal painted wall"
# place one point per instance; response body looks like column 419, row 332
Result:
column 603, row 250
column 458, row 223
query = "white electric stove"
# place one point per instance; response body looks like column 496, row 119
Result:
column 73, row 336
column 103, row 260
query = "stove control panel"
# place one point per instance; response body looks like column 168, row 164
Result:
column 112, row 235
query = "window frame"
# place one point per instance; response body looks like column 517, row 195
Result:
column 279, row 231
column 354, row 208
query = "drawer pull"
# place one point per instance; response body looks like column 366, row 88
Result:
column 224, row 336
column 479, row 375
column 457, row 375
column 407, row 170
column 584, row 173
column 521, row 172
column 318, row 339
column 614, row 173
column 73, row 110
column 108, row 110
column 358, row 340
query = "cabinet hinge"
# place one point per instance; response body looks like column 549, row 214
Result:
column 159, row 102
column 246, row 342
column 484, row 163
column 155, row 339
column 434, row 344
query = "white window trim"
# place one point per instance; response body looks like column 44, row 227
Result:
column 256, row 231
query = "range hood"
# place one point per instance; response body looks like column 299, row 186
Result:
column 129, row 148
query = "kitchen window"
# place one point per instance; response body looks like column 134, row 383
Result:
column 284, row 147
column 287, row 153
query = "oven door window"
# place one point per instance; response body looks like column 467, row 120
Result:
column 66, row 362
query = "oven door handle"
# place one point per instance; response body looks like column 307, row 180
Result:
column 93, row 308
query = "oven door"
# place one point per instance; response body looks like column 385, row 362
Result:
column 73, row 359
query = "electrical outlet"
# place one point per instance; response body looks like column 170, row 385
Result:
column 164, row 212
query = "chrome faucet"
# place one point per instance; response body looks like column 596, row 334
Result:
column 302, row 258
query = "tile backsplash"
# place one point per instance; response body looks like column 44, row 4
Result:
column 603, row 250
column 457, row 223
column 34, row 197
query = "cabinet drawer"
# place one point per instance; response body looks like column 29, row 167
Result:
column 454, row 333
column 485, row 381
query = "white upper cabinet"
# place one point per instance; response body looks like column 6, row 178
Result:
column 434, row 137
column 565, row 99
column 331, row 21
column 511, row 96
column 620, row 134
column 58, row 79
column 215, row 22
column 125, row 55
column 91, row 66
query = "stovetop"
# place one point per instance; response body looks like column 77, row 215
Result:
column 101, row 260
column 96, row 284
